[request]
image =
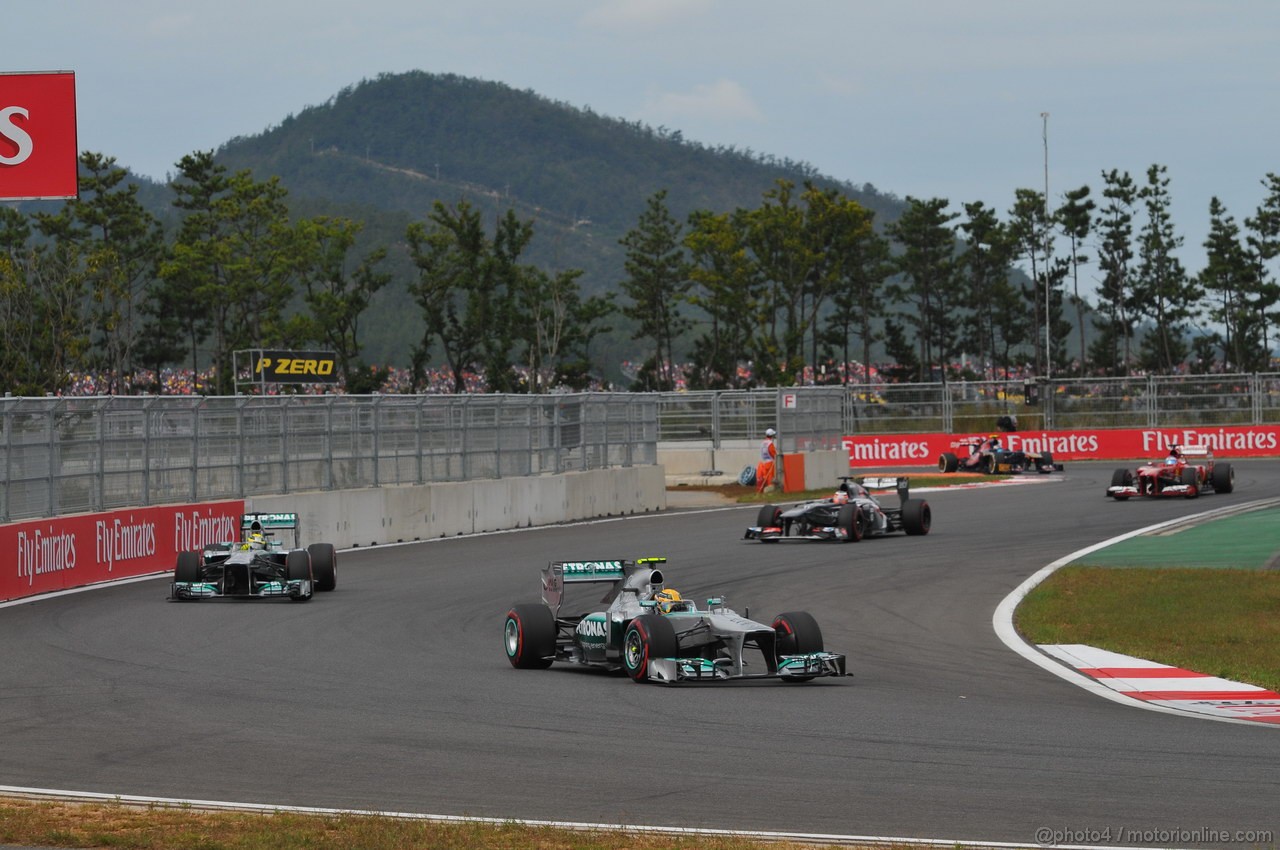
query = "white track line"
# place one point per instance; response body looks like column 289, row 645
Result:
column 1002, row 619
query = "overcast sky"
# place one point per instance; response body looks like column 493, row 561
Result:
column 923, row 99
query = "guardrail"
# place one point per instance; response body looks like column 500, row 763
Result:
column 81, row 454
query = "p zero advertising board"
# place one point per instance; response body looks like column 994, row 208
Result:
column 38, row 158
column 870, row 451
column 295, row 367
column 40, row 556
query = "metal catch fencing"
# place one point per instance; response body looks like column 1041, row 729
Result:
column 82, row 454
column 816, row 417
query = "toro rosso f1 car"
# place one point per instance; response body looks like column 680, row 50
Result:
column 1187, row 471
column 851, row 514
column 258, row 566
column 989, row 456
column 649, row 631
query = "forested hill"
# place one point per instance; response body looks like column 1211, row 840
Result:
column 384, row 150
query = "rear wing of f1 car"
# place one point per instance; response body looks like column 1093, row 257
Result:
column 901, row 484
column 619, row 573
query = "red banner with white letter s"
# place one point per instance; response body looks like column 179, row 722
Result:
column 868, row 451
column 38, row 157
column 45, row 555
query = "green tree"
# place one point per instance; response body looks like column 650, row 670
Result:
column 725, row 290
column 121, row 243
column 337, row 293
column 862, row 265
column 1168, row 296
column 1115, row 259
column 1264, row 246
column 657, row 282
column 927, row 264
column 466, row 288
column 1075, row 220
column 236, row 256
column 1229, row 277
column 991, row 329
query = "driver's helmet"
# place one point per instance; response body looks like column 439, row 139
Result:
column 1171, row 460
column 995, row 440
column 841, row 497
column 256, row 540
column 667, row 600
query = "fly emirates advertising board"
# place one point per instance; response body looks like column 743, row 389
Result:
column 38, row 158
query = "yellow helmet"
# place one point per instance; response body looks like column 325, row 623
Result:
column 667, row 600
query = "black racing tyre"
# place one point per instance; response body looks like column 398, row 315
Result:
column 188, row 567
column 1121, row 478
column 647, row 637
column 297, row 566
column 768, row 516
column 1223, row 478
column 1046, row 463
column 529, row 636
column 917, row 516
column 853, row 521
column 796, row 633
column 324, row 565
column 948, row 462
column 988, row 464
column 1189, row 479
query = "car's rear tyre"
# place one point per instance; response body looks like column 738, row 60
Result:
column 648, row 636
column 796, row 633
column 948, row 462
column 324, row 565
column 1224, row 478
column 917, row 516
column 529, row 636
column 853, row 521
column 297, row 567
column 1046, row 463
column 188, row 567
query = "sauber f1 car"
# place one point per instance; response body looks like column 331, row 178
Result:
column 258, row 566
column 851, row 514
column 1187, row 471
column 649, row 631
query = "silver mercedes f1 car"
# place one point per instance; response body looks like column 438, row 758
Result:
column 257, row 566
column 648, row 630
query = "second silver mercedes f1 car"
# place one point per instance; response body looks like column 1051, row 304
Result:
column 651, row 632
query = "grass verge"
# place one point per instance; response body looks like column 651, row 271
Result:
column 58, row 824
column 1221, row 622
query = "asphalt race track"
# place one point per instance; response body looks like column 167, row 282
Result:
column 393, row 693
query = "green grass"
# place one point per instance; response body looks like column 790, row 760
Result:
column 1222, row 622
column 48, row 824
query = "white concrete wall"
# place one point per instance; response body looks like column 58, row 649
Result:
column 689, row 465
column 371, row 516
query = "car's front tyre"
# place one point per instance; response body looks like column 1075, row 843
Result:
column 324, row 565
column 648, row 636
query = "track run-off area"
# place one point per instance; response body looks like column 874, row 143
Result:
column 393, row 693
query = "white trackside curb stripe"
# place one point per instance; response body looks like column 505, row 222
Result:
column 1002, row 619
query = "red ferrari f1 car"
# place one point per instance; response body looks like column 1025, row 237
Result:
column 1186, row 471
